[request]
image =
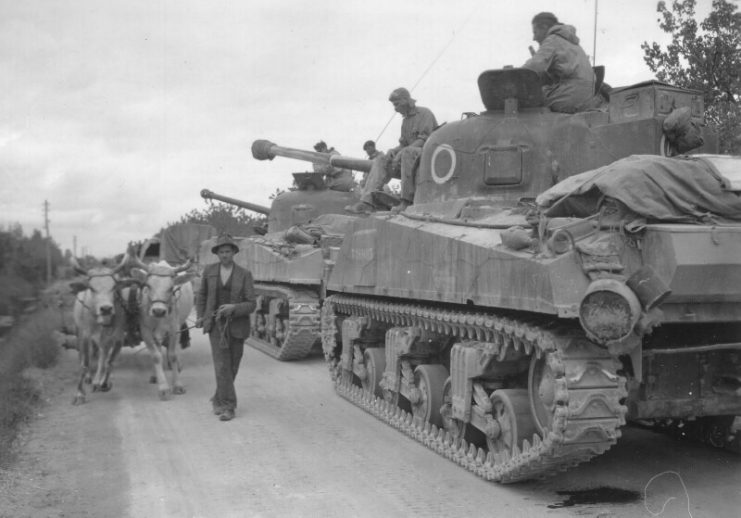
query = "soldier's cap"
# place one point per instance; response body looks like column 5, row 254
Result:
column 545, row 18
column 401, row 93
column 369, row 143
column 320, row 145
column 222, row 240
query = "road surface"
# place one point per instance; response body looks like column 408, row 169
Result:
column 297, row 449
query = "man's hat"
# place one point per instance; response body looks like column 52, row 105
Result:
column 224, row 239
column 401, row 93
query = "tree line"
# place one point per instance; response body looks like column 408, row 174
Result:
column 704, row 56
column 23, row 265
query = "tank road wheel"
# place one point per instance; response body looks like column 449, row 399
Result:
column 542, row 393
column 513, row 421
column 426, row 397
column 454, row 427
column 375, row 363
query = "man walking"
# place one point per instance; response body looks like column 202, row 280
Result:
column 223, row 308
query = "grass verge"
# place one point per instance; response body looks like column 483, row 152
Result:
column 31, row 343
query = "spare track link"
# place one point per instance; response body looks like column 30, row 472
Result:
column 304, row 322
column 575, row 435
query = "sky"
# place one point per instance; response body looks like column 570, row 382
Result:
column 118, row 113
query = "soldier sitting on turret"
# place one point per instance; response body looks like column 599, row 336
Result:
column 335, row 178
column 563, row 66
column 401, row 161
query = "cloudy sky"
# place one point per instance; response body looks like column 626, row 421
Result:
column 119, row 112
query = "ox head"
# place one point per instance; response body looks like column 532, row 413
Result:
column 99, row 289
column 160, row 283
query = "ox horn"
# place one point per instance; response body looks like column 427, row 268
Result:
column 183, row 267
column 131, row 252
column 122, row 264
column 76, row 266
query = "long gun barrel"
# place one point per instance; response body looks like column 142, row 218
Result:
column 266, row 150
column 208, row 195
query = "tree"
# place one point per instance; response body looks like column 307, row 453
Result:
column 225, row 218
column 705, row 57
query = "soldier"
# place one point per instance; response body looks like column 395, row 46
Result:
column 336, row 179
column 401, row 161
column 568, row 78
column 370, row 149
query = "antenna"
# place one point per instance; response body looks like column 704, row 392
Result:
column 594, row 41
column 432, row 64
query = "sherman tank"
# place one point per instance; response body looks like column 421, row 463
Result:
column 290, row 261
column 557, row 276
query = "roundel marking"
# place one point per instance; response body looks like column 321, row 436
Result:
column 443, row 164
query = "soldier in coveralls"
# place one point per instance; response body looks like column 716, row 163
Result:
column 223, row 308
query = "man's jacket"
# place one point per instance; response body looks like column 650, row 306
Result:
column 242, row 295
column 564, row 68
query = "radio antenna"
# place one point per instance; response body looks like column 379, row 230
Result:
column 594, row 44
column 429, row 67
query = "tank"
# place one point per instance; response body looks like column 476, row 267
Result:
column 291, row 260
column 546, row 286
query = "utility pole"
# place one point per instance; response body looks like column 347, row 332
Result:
column 74, row 246
column 48, row 242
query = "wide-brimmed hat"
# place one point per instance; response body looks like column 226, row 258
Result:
column 224, row 239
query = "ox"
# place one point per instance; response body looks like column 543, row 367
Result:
column 100, row 323
column 166, row 301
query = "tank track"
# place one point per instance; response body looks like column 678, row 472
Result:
column 303, row 324
column 587, row 417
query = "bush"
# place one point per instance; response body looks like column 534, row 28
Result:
column 31, row 343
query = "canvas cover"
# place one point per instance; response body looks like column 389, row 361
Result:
column 682, row 189
column 183, row 240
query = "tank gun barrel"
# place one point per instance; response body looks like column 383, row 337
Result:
column 208, row 195
column 266, row 150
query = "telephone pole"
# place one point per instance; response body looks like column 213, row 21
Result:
column 48, row 242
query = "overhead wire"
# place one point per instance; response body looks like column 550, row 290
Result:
column 433, row 62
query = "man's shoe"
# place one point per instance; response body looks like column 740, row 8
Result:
column 218, row 410
column 360, row 208
column 227, row 415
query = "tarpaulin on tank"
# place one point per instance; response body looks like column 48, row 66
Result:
column 180, row 242
column 659, row 189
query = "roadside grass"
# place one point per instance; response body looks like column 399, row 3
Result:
column 31, row 343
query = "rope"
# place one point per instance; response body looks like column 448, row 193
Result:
column 224, row 330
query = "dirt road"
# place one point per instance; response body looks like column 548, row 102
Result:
column 297, row 449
